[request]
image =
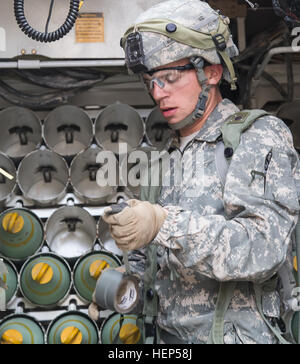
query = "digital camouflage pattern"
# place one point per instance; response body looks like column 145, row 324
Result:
column 239, row 232
column 195, row 14
column 213, row 233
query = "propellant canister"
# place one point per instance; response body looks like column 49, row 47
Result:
column 21, row 233
column 89, row 268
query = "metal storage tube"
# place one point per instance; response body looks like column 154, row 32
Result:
column 36, row 64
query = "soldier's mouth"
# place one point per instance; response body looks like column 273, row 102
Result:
column 167, row 112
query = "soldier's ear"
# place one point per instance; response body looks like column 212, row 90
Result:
column 213, row 73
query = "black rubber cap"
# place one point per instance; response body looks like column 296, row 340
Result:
column 150, row 294
column 228, row 152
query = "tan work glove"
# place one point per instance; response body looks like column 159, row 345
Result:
column 137, row 225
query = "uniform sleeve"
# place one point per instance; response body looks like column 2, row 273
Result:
column 261, row 207
column 137, row 260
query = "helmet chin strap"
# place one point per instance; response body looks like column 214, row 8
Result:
column 202, row 99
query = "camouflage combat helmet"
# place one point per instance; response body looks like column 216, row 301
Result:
column 178, row 29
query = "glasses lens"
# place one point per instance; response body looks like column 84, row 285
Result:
column 162, row 79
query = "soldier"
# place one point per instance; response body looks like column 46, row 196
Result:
column 218, row 247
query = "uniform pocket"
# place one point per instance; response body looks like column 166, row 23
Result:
column 258, row 182
column 281, row 183
column 231, row 335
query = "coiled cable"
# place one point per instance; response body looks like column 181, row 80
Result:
column 46, row 37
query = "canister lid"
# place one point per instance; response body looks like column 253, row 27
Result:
column 13, row 222
column 120, row 329
column 71, row 335
column 21, row 233
column 73, row 327
column 89, row 268
column 12, row 336
column 21, row 329
column 130, row 334
column 42, row 273
column 97, row 267
column 45, row 279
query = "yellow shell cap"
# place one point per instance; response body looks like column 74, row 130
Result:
column 71, row 335
column 130, row 334
column 97, row 267
column 295, row 264
column 42, row 273
column 12, row 337
column 13, row 223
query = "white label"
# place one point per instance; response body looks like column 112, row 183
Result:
column 129, row 297
column 2, row 40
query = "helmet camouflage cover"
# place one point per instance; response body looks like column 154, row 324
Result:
column 178, row 29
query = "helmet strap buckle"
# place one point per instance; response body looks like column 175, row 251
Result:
column 202, row 100
column 198, row 63
column 219, row 41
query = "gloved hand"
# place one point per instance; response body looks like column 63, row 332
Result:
column 137, row 225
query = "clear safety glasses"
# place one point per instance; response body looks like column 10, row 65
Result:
column 165, row 77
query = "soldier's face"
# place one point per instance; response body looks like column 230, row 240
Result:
column 178, row 100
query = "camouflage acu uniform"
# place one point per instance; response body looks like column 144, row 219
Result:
column 238, row 232
column 213, row 233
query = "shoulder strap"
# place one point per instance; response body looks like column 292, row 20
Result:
column 148, row 192
column 236, row 124
column 150, row 330
column 231, row 130
column 225, row 295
